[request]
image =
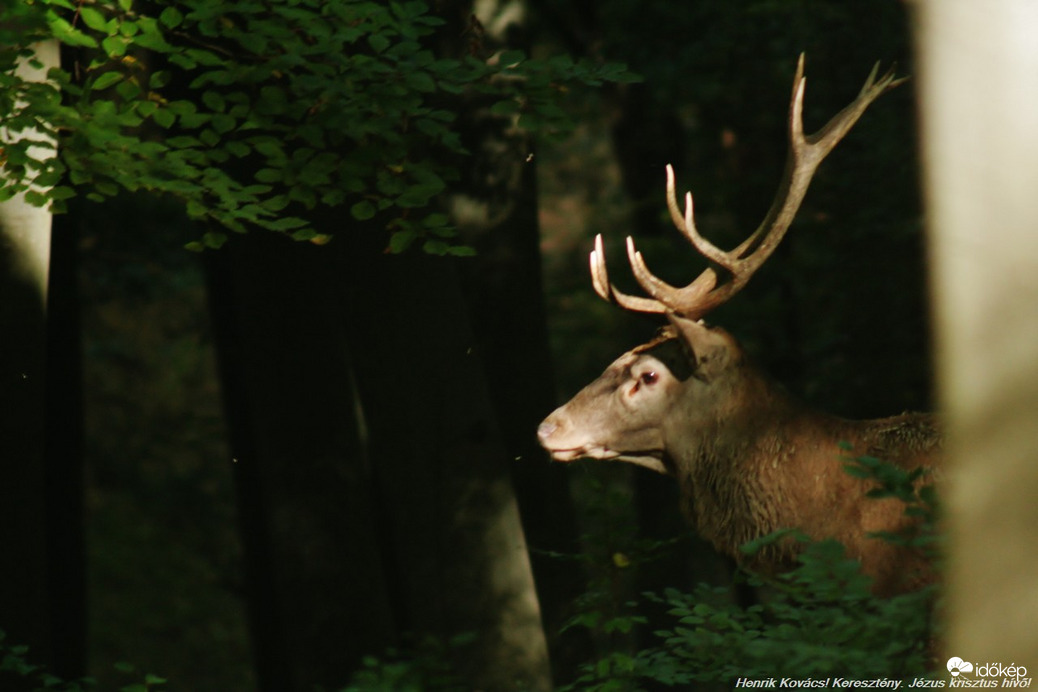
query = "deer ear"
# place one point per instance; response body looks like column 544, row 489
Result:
column 710, row 348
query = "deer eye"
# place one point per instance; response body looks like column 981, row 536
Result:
column 649, row 378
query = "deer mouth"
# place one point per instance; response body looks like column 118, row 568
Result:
column 650, row 460
column 574, row 453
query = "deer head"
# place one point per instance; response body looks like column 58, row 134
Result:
column 668, row 398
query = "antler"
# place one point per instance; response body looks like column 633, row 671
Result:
column 708, row 290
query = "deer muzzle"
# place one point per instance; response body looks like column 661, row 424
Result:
column 566, row 444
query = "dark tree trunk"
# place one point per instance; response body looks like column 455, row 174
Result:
column 374, row 492
column 23, row 494
column 42, row 602
column 315, row 576
column 66, row 549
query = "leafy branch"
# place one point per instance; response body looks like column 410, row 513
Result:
column 252, row 114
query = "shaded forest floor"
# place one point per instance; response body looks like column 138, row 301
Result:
column 164, row 573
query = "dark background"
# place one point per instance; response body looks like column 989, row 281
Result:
column 223, row 576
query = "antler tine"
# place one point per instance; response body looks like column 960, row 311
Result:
column 656, row 287
column 707, row 291
column 806, row 152
column 686, row 224
column 599, row 273
column 605, row 289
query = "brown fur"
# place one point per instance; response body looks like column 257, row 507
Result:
column 749, row 458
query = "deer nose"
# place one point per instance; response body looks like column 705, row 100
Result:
column 545, row 430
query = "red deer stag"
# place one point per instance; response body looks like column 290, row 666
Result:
column 748, row 457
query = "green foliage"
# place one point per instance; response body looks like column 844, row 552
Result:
column 920, row 501
column 821, row 620
column 426, row 667
column 252, row 113
column 817, row 620
column 14, row 662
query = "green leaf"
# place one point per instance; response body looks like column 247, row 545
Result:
column 253, row 42
column 68, row 34
column 147, row 108
column 272, row 99
column 378, row 42
column 193, row 120
column 171, row 17
column 271, row 148
column 223, row 124
column 419, row 195
column 195, row 209
column 129, row 28
column 204, row 57
column 269, row 175
column 62, row 192
column 444, row 231
column 36, row 198
column 93, row 18
column 333, row 198
column 461, row 251
column 435, row 220
column 236, row 148
column 159, row 79
column 106, row 80
column 214, row 100
column 183, row 142
column 511, row 58
column 209, row 137
column 152, row 38
column 287, row 223
column 182, row 107
column 401, row 240
column 421, row 81
column 362, row 211
column 214, row 239
column 275, row 203
column 505, row 107
column 436, row 247
column 114, row 46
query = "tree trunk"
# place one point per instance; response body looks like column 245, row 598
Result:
column 373, row 486
column 504, row 290
column 315, row 580
column 63, row 431
column 979, row 101
column 442, row 469
column 41, row 598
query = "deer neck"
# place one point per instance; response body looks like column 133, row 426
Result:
column 753, row 470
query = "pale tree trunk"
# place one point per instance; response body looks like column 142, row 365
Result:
column 979, row 100
column 25, row 228
column 24, row 257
